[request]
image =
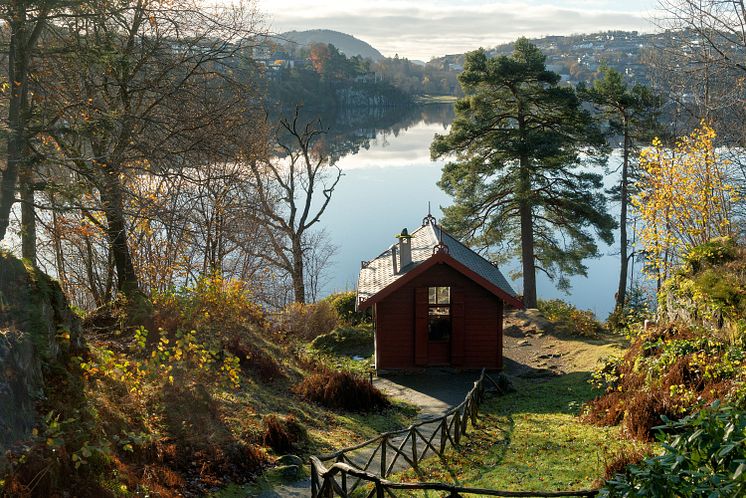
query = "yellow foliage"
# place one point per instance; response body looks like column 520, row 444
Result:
column 684, row 198
column 185, row 355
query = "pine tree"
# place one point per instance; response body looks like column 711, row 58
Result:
column 519, row 149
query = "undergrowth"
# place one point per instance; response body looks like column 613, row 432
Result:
column 568, row 318
column 198, row 395
column 667, row 371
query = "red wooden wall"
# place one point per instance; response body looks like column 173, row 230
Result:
column 476, row 340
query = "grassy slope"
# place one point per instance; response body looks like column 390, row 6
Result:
column 206, row 417
column 532, row 439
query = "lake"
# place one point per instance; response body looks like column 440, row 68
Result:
column 387, row 184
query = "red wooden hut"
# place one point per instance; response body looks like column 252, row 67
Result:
column 435, row 303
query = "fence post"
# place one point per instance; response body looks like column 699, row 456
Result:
column 457, row 427
column 340, row 458
column 413, row 435
column 474, row 408
column 314, row 480
column 384, row 443
column 443, row 429
column 327, row 488
column 379, row 490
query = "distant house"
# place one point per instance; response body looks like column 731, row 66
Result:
column 435, row 303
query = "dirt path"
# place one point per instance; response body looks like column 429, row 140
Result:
column 532, row 347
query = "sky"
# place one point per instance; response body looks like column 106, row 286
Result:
column 431, row 28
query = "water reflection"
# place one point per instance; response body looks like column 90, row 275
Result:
column 389, row 180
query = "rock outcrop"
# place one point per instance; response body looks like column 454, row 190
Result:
column 37, row 329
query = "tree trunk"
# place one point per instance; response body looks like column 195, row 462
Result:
column 299, row 285
column 28, row 213
column 17, row 115
column 621, row 293
column 116, row 232
column 525, row 209
column 527, row 241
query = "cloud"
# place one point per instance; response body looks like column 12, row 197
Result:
column 421, row 30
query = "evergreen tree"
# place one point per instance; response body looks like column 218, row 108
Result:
column 631, row 114
column 520, row 146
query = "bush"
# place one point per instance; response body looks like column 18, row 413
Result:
column 254, row 359
column 667, row 370
column 616, row 462
column 569, row 318
column 307, row 321
column 283, row 434
column 218, row 308
column 349, row 341
column 704, row 455
column 342, row 390
column 632, row 315
column 343, row 304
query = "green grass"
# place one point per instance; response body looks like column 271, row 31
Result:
column 337, row 349
column 530, row 440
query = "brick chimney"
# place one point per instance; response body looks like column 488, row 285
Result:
column 405, row 248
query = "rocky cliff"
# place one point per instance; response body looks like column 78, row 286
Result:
column 37, row 330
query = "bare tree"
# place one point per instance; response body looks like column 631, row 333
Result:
column 702, row 61
column 700, row 64
column 141, row 89
column 26, row 21
column 293, row 192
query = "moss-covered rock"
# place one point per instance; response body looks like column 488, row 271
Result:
column 710, row 287
column 36, row 329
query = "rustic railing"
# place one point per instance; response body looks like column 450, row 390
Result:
column 407, row 446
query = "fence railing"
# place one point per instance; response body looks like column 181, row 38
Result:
column 363, row 468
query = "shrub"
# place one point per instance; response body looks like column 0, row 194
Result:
column 717, row 251
column 616, row 462
column 704, row 455
column 283, row 434
column 342, row 390
column 348, row 341
column 218, row 308
column 252, row 358
column 569, row 318
column 343, row 304
column 307, row 321
column 632, row 315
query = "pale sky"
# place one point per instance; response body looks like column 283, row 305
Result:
column 426, row 29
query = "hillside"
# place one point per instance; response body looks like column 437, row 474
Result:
column 347, row 44
column 578, row 57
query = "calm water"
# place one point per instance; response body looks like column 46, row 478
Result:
column 387, row 186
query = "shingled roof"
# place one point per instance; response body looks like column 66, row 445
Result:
column 428, row 242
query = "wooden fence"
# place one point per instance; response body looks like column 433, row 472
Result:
column 352, row 470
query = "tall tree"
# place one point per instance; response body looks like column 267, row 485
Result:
column 631, row 115
column 518, row 174
column 26, row 22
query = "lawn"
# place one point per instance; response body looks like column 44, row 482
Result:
column 530, row 440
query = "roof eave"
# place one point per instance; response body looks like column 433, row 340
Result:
column 441, row 257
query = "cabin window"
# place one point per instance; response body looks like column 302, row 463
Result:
column 439, row 314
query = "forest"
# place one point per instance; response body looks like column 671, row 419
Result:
column 163, row 327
